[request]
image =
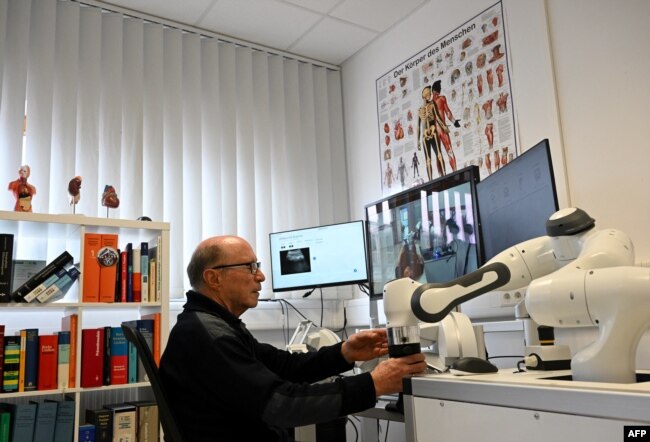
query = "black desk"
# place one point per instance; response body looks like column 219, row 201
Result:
column 381, row 413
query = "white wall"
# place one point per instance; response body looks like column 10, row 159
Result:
column 579, row 71
column 578, row 79
column 602, row 65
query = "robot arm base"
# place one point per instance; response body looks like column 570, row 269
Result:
column 616, row 299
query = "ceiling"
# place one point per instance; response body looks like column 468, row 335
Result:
column 329, row 31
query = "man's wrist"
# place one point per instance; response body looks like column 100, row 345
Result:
column 377, row 384
column 346, row 354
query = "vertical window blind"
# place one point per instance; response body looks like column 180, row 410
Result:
column 210, row 136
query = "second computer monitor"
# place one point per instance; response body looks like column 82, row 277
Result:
column 515, row 201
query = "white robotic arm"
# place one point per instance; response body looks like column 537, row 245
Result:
column 593, row 290
column 599, row 288
column 615, row 299
column 407, row 302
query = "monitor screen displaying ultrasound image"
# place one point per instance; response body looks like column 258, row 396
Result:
column 322, row 256
column 515, row 201
column 427, row 233
column 295, row 261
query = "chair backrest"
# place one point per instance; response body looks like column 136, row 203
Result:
column 133, row 335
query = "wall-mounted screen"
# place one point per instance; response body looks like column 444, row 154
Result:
column 516, row 200
column 322, row 256
column 428, row 233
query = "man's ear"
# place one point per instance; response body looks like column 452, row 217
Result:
column 211, row 278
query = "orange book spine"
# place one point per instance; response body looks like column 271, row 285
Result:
column 156, row 335
column 108, row 260
column 90, row 272
column 21, row 366
column 69, row 323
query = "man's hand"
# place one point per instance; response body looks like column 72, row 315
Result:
column 388, row 375
column 365, row 345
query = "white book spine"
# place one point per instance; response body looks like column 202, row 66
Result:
column 29, row 297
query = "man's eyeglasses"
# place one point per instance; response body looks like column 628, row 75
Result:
column 253, row 266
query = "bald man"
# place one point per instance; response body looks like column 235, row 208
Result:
column 224, row 385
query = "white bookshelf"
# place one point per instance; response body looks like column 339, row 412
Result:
column 43, row 237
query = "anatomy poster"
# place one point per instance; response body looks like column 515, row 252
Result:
column 448, row 107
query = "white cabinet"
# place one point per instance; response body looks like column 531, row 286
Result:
column 43, row 237
column 533, row 406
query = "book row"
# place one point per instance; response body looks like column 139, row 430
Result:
column 50, row 283
column 110, row 274
column 49, row 420
column 30, row 361
column 136, row 421
column 53, row 421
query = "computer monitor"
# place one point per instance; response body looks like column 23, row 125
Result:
column 427, row 233
column 513, row 204
column 323, row 256
column 516, row 200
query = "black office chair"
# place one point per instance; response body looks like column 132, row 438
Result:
column 133, row 335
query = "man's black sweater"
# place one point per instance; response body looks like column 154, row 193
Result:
column 224, row 385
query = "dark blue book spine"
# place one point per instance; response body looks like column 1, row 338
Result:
column 119, row 357
column 107, row 355
column 145, row 327
column 31, row 359
column 23, row 421
column 86, row 433
column 64, row 428
column 129, row 272
column 6, row 266
column 45, row 421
